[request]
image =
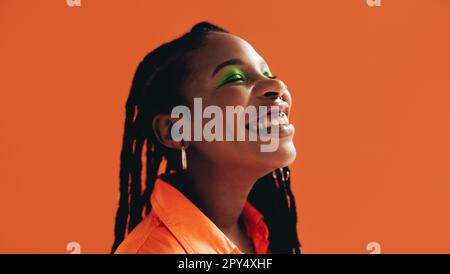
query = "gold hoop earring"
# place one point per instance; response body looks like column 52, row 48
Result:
column 183, row 158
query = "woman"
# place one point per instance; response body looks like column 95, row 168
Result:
column 201, row 196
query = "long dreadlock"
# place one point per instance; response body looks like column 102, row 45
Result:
column 156, row 89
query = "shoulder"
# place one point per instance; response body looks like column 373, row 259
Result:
column 151, row 236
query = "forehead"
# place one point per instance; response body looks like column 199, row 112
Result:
column 221, row 47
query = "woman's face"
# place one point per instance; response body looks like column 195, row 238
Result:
column 228, row 71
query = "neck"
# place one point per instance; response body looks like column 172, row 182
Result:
column 218, row 193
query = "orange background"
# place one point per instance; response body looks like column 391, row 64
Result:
column 371, row 96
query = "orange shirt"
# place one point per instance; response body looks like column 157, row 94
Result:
column 176, row 226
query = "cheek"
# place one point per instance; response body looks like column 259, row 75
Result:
column 231, row 96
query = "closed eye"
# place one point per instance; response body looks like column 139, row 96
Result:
column 231, row 76
column 269, row 75
column 235, row 77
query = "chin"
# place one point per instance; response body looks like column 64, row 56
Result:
column 283, row 156
column 286, row 154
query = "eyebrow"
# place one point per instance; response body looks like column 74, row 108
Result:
column 230, row 62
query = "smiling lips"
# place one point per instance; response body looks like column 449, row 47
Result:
column 266, row 122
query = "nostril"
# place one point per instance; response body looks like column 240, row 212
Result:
column 271, row 94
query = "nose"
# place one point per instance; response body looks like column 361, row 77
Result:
column 271, row 89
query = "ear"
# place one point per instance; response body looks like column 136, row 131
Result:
column 162, row 126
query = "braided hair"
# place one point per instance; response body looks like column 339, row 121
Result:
column 156, row 89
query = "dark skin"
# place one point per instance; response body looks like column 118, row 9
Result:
column 221, row 174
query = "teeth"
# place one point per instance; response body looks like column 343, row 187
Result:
column 282, row 119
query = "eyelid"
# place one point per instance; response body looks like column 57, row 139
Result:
column 269, row 75
column 232, row 73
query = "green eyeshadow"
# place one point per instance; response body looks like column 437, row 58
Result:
column 232, row 75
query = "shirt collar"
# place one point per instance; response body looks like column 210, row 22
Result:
column 194, row 230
